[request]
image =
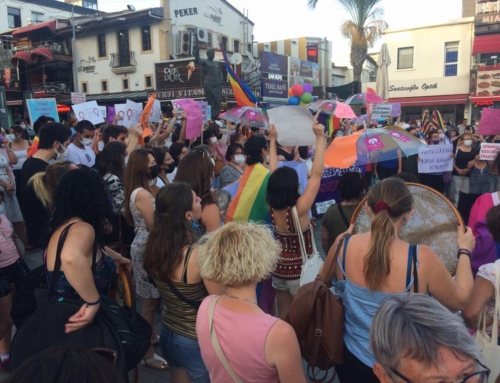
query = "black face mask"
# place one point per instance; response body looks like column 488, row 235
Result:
column 170, row 168
column 154, row 170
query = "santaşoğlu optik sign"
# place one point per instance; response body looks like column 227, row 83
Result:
column 425, row 86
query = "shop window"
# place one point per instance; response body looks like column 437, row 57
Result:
column 146, row 38
column 14, row 17
column 405, row 58
column 101, row 45
column 209, row 38
column 85, row 87
column 451, row 59
column 224, row 42
column 104, row 86
column 125, row 84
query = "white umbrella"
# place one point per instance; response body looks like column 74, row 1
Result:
column 383, row 62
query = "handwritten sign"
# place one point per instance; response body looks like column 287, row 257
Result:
column 194, row 119
column 344, row 111
column 42, row 107
column 156, row 112
column 435, row 158
column 373, row 143
column 382, row 110
column 110, row 115
column 490, row 122
column 489, row 151
column 88, row 111
column 133, row 113
column 78, row 98
column 121, row 112
column 103, row 111
column 293, row 124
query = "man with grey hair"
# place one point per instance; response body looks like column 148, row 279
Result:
column 415, row 339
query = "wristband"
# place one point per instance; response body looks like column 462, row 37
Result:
column 464, row 251
column 94, row 303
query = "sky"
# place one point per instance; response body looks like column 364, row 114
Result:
column 281, row 19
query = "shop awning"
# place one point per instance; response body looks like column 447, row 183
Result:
column 23, row 57
column 453, row 99
column 42, row 55
column 486, row 44
column 138, row 96
column 50, row 25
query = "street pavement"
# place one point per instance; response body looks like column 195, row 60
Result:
column 148, row 375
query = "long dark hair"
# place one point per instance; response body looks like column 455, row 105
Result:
column 196, row 169
column 111, row 159
column 82, row 193
column 171, row 231
column 283, row 188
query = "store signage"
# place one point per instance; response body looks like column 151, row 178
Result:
column 485, row 83
column 274, row 73
column 490, row 18
column 185, row 12
column 484, row 103
column 214, row 17
column 174, row 94
column 303, row 72
column 413, row 87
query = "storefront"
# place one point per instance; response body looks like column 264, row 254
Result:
column 484, row 89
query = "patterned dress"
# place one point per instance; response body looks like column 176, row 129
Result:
column 479, row 180
column 143, row 287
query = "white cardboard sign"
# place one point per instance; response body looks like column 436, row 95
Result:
column 381, row 110
column 293, row 124
column 489, row 151
column 156, row 112
column 88, row 111
column 435, row 158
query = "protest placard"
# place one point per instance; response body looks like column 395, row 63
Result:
column 156, row 112
column 373, row 143
column 381, row 110
column 110, row 117
column 204, row 111
column 195, row 117
column 489, row 151
column 78, row 98
column 42, row 107
column 121, row 112
column 103, row 111
column 133, row 113
column 490, row 122
column 435, row 158
column 293, row 124
column 396, row 109
column 88, row 111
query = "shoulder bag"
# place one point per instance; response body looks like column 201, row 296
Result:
column 317, row 317
column 310, row 264
column 488, row 344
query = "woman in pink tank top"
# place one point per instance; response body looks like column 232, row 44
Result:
column 258, row 347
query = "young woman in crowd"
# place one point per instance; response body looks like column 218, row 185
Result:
column 167, row 166
column 433, row 180
column 283, row 197
column 217, row 144
column 337, row 219
column 19, row 143
column 197, row 170
column 460, row 176
column 81, row 211
column 177, row 151
column 479, row 173
column 170, row 258
column 368, row 270
column 111, row 167
column 238, row 256
column 139, row 211
column 235, row 165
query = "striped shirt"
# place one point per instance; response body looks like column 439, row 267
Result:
column 178, row 315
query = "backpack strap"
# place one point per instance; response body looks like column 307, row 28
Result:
column 343, row 216
column 409, row 266
column 415, row 272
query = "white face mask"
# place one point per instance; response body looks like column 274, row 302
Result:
column 468, row 142
column 86, row 141
column 239, row 159
column 213, row 140
column 61, row 156
column 441, row 136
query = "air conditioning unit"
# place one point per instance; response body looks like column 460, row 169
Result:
column 184, row 43
column 202, row 35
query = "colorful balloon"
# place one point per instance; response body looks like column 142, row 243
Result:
column 308, row 88
column 297, row 90
column 290, row 92
column 294, row 100
column 306, row 98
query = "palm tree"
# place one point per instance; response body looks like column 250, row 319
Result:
column 364, row 28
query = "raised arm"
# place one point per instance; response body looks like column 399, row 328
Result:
column 182, row 136
column 273, row 154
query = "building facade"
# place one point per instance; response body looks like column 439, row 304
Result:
column 430, row 68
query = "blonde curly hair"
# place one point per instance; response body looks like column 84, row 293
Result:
column 238, row 254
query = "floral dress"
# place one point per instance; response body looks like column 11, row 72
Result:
column 143, row 287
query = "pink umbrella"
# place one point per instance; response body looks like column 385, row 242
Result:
column 246, row 115
column 364, row 98
column 333, row 107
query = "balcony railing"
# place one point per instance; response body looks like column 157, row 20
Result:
column 487, row 6
column 123, row 62
column 52, row 88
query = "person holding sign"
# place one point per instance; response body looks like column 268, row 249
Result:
column 79, row 151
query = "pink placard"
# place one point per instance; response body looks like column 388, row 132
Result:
column 194, row 116
column 490, row 122
column 374, row 143
column 344, row 111
column 399, row 136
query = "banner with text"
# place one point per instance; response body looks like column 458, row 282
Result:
column 42, row 107
column 489, row 151
column 89, row 111
column 382, row 110
column 274, row 74
column 435, row 158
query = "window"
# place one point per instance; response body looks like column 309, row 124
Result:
column 14, row 17
column 236, row 46
column 36, row 17
column 101, row 45
column 451, row 59
column 125, row 84
column 224, row 42
column 104, row 86
column 405, row 58
column 146, row 38
column 209, row 39
column 6, row 43
column 85, row 87
column 92, row 4
column 148, row 79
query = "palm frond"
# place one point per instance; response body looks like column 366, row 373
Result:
column 312, row 4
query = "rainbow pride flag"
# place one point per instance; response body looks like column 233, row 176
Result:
column 426, row 125
column 437, row 119
column 242, row 93
column 249, row 203
column 33, row 148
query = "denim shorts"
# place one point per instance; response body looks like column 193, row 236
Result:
column 183, row 353
column 292, row 286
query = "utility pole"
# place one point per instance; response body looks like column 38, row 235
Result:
column 73, row 45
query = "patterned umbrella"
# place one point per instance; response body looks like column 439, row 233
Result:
column 332, row 108
column 246, row 115
column 364, row 98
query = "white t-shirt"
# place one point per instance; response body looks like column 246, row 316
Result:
column 85, row 156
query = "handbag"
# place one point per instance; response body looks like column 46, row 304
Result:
column 489, row 344
column 310, row 264
column 317, row 317
column 215, row 342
